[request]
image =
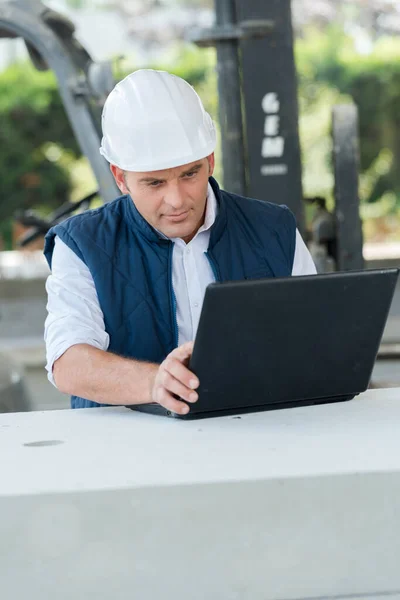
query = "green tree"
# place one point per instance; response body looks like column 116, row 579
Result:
column 33, row 125
column 330, row 67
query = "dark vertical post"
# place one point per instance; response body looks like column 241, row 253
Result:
column 270, row 102
column 230, row 108
column 346, row 155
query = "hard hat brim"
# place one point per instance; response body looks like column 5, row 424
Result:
column 167, row 164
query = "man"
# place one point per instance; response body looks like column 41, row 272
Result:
column 128, row 279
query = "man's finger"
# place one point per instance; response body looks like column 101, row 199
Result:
column 170, row 403
column 183, row 352
column 175, row 368
column 174, row 386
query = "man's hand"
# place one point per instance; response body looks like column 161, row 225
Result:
column 173, row 378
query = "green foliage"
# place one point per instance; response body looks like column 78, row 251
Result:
column 329, row 61
column 31, row 116
column 76, row 3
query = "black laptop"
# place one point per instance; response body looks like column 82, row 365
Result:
column 279, row 343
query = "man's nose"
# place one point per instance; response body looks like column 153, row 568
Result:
column 174, row 197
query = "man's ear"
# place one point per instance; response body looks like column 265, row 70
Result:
column 119, row 176
column 211, row 164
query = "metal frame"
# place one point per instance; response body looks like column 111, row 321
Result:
column 225, row 37
column 260, row 143
column 27, row 19
column 346, row 155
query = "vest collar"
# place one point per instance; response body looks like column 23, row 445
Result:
column 140, row 223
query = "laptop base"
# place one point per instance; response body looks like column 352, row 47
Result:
column 157, row 409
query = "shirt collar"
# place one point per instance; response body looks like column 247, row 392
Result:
column 211, row 211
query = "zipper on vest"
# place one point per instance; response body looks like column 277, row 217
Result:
column 172, row 295
column 214, row 266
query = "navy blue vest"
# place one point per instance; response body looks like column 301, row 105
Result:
column 132, row 265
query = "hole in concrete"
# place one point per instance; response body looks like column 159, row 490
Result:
column 43, row 443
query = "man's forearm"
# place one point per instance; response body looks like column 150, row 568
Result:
column 103, row 377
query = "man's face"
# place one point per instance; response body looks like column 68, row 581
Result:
column 172, row 200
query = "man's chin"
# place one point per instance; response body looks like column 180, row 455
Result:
column 178, row 231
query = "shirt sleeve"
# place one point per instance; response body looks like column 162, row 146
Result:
column 303, row 264
column 74, row 313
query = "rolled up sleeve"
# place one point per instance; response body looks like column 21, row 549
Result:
column 74, row 313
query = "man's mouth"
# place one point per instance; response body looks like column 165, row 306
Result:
column 176, row 218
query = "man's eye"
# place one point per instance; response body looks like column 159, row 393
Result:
column 155, row 183
column 191, row 174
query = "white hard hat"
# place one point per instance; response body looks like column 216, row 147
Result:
column 153, row 120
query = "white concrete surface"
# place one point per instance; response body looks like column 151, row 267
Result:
column 293, row 504
column 328, row 440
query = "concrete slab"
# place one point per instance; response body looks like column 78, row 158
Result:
column 292, row 504
column 282, row 443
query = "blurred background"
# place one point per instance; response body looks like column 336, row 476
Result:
column 346, row 52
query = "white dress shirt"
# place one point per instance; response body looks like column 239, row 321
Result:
column 74, row 313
